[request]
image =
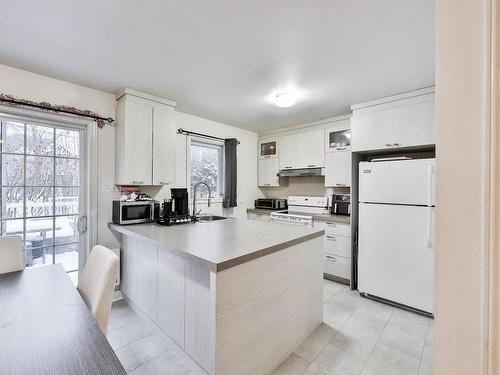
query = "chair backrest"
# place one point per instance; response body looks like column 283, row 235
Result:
column 11, row 254
column 97, row 281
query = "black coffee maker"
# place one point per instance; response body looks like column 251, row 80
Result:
column 176, row 209
column 180, row 202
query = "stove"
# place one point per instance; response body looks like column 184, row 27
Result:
column 301, row 210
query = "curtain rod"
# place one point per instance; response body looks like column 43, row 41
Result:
column 187, row 132
column 53, row 109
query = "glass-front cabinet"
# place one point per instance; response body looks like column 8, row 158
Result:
column 338, row 139
column 267, row 149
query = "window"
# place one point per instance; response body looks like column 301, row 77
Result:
column 207, row 166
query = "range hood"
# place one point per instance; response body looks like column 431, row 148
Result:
column 304, row 172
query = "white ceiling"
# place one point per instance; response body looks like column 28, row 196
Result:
column 223, row 59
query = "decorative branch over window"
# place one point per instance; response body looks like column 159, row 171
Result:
column 101, row 121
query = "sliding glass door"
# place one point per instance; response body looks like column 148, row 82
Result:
column 42, row 190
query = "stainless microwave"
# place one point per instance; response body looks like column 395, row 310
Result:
column 134, row 212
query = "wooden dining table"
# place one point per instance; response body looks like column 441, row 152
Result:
column 46, row 327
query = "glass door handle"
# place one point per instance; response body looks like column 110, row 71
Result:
column 82, row 224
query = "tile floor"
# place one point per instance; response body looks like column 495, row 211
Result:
column 358, row 337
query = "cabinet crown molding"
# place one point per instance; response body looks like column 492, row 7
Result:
column 146, row 96
column 394, row 98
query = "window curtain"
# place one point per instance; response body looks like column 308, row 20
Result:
column 230, row 171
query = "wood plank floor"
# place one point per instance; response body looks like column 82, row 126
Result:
column 358, row 337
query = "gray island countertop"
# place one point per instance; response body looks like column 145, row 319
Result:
column 220, row 244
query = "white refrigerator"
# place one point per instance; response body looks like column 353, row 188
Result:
column 396, row 233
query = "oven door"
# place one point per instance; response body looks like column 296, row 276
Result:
column 136, row 213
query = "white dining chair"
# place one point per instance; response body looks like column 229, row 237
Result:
column 11, row 254
column 97, row 281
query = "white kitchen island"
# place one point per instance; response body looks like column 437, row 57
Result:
column 238, row 296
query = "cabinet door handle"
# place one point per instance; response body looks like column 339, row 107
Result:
column 330, row 224
column 164, row 183
column 331, row 259
column 137, row 182
column 331, row 238
column 267, row 184
column 311, row 165
column 340, row 184
column 396, row 144
column 288, row 167
column 267, row 157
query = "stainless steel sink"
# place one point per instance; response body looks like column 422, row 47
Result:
column 207, row 218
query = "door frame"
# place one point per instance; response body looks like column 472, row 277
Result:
column 90, row 154
column 468, row 153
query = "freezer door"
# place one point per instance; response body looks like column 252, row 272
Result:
column 396, row 254
column 398, row 182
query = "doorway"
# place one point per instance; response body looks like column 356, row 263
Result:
column 43, row 179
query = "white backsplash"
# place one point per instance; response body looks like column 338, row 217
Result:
column 312, row 186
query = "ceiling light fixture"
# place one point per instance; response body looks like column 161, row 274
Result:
column 285, row 99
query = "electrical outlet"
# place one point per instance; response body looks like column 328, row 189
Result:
column 108, row 186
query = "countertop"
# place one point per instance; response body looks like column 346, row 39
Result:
column 320, row 217
column 220, row 244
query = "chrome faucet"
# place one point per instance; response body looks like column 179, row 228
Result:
column 194, row 197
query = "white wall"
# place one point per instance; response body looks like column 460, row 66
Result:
column 247, row 163
column 40, row 88
column 314, row 186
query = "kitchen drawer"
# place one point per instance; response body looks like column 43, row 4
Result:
column 337, row 266
column 337, row 245
column 338, row 229
column 258, row 216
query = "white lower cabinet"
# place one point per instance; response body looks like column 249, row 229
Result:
column 146, row 259
column 338, row 245
column 337, row 266
column 336, row 248
column 128, row 272
column 171, row 288
column 174, row 293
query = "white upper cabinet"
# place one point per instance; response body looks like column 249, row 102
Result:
column 164, row 140
column 310, row 149
column 304, row 149
column 268, row 148
column 287, row 145
column 145, row 140
column 268, row 172
column 134, row 141
column 338, row 168
column 406, row 120
column 338, row 136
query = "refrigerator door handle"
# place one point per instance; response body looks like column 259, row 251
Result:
column 430, row 176
column 430, row 242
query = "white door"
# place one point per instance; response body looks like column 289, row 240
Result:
column 43, row 191
column 287, row 151
column 338, row 168
column 398, row 182
column 396, row 254
column 267, row 172
column 164, row 153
